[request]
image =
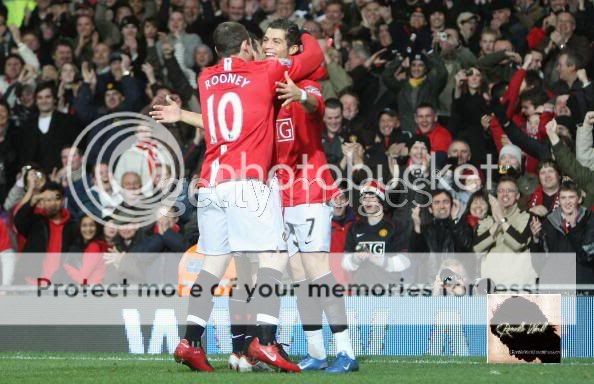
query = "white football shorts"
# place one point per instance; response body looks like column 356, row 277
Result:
column 237, row 216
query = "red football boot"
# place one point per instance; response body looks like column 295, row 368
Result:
column 192, row 357
column 273, row 355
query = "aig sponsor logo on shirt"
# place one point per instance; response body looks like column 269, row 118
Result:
column 285, row 130
column 375, row 247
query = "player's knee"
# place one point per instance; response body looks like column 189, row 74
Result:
column 274, row 260
column 216, row 265
column 296, row 268
column 316, row 264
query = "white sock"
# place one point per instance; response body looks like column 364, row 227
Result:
column 315, row 344
column 343, row 343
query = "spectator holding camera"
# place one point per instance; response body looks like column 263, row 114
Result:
column 47, row 227
column 30, row 180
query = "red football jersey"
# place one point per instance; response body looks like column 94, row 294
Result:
column 237, row 98
column 300, row 153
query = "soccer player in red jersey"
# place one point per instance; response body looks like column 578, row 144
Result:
column 307, row 187
column 234, row 215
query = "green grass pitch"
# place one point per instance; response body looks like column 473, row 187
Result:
column 125, row 368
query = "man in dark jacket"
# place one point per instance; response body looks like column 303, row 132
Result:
column 47, row 228
column 43, row 137
column 568, row 229
column 154, row 259
column 440, row 238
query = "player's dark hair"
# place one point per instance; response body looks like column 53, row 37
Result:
column 291, row 29
column 228, row 37
column 333, row 103
column 253, row 40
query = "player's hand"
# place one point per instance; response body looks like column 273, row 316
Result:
column 168, row 113
column 288, row 91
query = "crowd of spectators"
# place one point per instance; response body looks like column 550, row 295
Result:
column 456, row 81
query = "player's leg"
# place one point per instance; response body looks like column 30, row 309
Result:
column 238, row 297
column 253, row 217
column 317, row 268
column 310, row 313
column 214, row 244
column 190, row 351
column 313, row 236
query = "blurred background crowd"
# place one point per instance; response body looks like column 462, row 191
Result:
column 464, row 80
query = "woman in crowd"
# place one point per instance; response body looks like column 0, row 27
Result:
column 85, row 260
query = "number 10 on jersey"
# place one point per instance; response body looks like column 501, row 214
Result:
column 217, row 118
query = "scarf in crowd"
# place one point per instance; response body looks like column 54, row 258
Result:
column 537, row 198
column 415, row 83
column 152, row 152
column 472, row 221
